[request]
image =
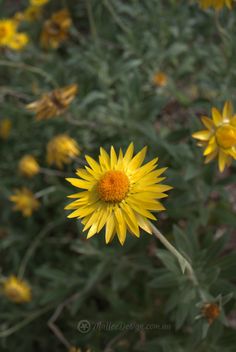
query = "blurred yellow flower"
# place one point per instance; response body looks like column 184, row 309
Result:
column 18, row 41
column 55, row 29
column 38, row 2
column 25, row 201
column 160, row 79
column 61, row 150
column 219, row 137
column 17, row 290
column 32, row 13
column 216, row 4
column 18, row 18
column 5, row 128
column 53, row 103
column 28, row 166
column 7, row 31
column 118, row 193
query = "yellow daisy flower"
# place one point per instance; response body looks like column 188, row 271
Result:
column 119, row 193
column 7, row 31
column 55, row 30
column 28, row 166
column 216, row 4
column 160, row 79
column 5, row 128
column 18, row 41
column 25, row 201
column 38, row 2
column 219, row 137
column 61, row 150
column 17, row 290
column 53, row 103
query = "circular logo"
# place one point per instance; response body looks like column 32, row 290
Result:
column 83, row 326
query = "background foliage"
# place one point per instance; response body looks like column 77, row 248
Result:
column 114, row 49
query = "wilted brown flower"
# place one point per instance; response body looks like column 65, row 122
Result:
column 53, row 103
column 55, row 29
column 210, row 311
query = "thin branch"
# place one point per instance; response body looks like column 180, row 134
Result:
column 29, row 253
column 29, row 68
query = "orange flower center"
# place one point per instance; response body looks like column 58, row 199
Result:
column 113, row 186
column 226, row 136
column 211, row 311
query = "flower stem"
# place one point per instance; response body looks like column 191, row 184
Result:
column 184, row 263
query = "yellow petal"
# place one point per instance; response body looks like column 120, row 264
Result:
column 144, row 224
column 110, row 226
column 129, row 153
column 104, row 160
column 210, row 157
column 217, row 118
column 130, row 219
column 120, row 225
column 80, row 183
column 138, row 159
column 92, row 231
column 202, row 135
column 212, row 147
column 93, row 164
column 227, row 110
column 113, row 158
column 222, row 160
column 208, row 123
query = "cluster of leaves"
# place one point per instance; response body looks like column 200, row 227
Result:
column 114, row 49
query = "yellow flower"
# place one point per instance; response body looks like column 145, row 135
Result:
column 160, row 79
column 17, row 290
column 53, row 103
column 18, row 41
column 25, row 201
column 216, row 4
column 119, row 194
column 38, row 2
column 219, row 138
column 28, row 166
column 55, row 30
column 32, row 13
column 7, row 31
column 61, row 150
column 5, row 128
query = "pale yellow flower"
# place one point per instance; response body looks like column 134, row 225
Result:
column 219, row 137
column 17, row 290
column 56, row 29
column 61, row 150
column 118, row 193
column 5, row 128
column 28, row 166
column 18, row 41
column 216, row 4
column 7, row 31
column 160, row 79
column 25, row 201
column 53, row 103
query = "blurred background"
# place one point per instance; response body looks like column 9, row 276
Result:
column 102, row 73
